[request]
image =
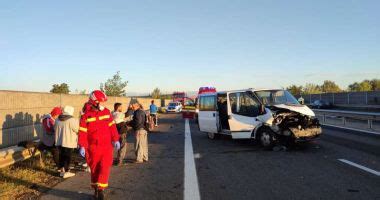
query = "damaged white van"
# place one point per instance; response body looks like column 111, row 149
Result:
column 271, row 116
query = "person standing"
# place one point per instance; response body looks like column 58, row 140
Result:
column 129, row 114
column 138, row 124
column 119, row 119
column 66, row 139
column 97, row 137
column 48, row 135
column 153, row 113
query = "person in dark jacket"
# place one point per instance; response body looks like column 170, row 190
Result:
column 138, row 124
column 129, row 113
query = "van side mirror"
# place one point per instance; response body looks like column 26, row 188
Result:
column 301, row 101
column 261, row 109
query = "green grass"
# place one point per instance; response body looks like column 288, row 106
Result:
column 26, row 180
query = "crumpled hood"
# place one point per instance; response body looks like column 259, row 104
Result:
column 302, row 109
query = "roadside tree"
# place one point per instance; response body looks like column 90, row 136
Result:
column 330, row 86
column 62, row 88
column 114, row 86
column 156, row 94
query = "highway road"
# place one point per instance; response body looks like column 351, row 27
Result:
column 340, row 165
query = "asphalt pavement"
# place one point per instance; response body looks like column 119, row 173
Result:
column 241, row 169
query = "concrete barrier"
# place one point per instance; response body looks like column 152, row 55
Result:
column 11, row 155
column 21, row 112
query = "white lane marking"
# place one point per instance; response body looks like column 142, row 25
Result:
column 360, row 167
column 191, row 188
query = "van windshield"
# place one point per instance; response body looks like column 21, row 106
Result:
column 275, row 97
column 173, row 104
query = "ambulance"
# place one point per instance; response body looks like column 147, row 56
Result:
column 202, row 90
column 271, row 116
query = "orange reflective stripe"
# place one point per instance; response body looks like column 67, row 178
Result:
column 83, row 129
column 112, row 123
column 92, row 119
column 104, row 117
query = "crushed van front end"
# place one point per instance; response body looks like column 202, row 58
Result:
column 299, row 127
column 305, row 135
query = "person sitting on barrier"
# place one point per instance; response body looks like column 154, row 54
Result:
column 66, row 139
column 119, row 119
column 48, row 135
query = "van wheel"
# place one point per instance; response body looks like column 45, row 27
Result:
column 212, row 136
column 267, row 138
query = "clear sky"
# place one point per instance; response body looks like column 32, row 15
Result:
column 181, row 45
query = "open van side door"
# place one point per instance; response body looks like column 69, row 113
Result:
column 208, row 116
column 243, row 109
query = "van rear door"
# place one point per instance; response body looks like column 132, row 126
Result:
column 208, row 116
column 243, row 109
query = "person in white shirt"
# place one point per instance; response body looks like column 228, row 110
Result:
column 119, row 119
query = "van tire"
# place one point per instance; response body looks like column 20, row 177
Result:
column 267, row 138
column 213, row 136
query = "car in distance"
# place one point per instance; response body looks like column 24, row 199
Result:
column 174, row 107
column 321, row 104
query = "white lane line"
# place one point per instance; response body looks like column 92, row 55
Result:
column 191, row 188
column 360, row 167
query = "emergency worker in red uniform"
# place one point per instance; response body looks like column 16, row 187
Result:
column 97, row 137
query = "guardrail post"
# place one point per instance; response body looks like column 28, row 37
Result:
column 310, row 99
column 344, row 120
column 333, row 99
column 324, row 118
column 348, row 98
column 366, row 98
column 370, row 123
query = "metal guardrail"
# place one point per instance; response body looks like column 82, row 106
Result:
column 11, row 155
column 350, row 98
column 359, row 106
column 368, row 116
